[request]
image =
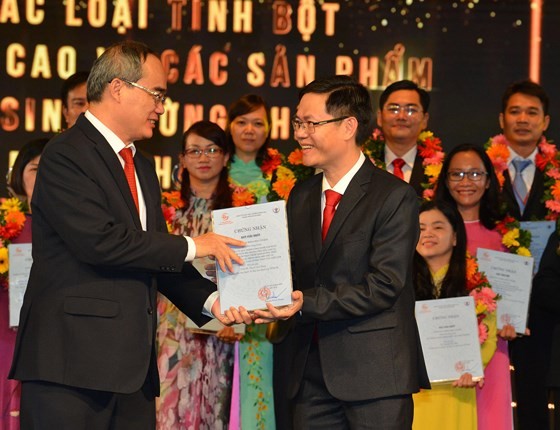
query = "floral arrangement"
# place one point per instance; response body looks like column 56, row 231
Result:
column 12, row 220
column 484, row 297
column 170, row 202
column 280, row 171
column 514, row 238
column 547, row 161
column 429, row 149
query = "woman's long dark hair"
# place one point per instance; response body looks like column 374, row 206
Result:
column 242, row 106
column 491, row 207
column 213, row 132
column 455, row 281
column 28, row 152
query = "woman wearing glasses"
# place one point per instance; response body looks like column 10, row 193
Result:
column 468, row 181
column 195, row 369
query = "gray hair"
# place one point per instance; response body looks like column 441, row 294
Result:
column 121, row 60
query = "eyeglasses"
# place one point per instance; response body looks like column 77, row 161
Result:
column 209, row 152
column 309, row 126
column 409, row 110
column 158, row 97
column 473, row 175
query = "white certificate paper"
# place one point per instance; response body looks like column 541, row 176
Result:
column 449, row 335
column 20, row 266
column 540, row 232
column 266, row 275
column 510, row 276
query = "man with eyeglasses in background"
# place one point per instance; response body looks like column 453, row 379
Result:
column 85, row 350
column 523, row 119
column 402, row 116
column 352, row 358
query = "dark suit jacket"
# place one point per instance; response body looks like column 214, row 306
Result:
column 89, row 313
column 357, row 288
column 546, row 297
column 417, row 177
column 535, row 209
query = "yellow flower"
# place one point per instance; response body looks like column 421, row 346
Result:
column 510, row 238
column 425, row 135
column 4, row 263
column 433, row 170
column 523, row 251
column 284, row 173
column 10, row 205
column 480, row 308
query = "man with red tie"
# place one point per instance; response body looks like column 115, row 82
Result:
column 402, row 116
column 85, row 350
column 352, row 358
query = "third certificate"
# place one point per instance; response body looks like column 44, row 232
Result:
column 510, row 276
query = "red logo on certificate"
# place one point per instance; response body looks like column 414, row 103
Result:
column 264, row 294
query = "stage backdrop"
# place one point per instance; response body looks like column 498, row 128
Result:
column 464, row 52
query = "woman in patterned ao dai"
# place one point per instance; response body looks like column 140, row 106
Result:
column 195, row 369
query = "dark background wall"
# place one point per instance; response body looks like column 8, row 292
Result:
column 475, row 49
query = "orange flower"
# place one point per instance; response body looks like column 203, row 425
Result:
column 472, row 267
column 172, row 198
column 499, row 154
column 296, row 157
column 17, row 218
column 242, row 197
column 283, row 187
column 271, row 163
column 555, row 190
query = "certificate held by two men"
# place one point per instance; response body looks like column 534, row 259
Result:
column 266, row 276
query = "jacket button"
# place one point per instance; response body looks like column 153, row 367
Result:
column 150, row 311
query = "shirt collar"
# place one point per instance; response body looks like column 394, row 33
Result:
column 408, row 158
column 341, row 185
column 114, row 141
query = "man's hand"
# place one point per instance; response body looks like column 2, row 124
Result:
column 217, row 245
column 282, row 313
column 228, row 335
column 231, row 315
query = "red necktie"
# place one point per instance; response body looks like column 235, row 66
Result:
column 126, row 154
column 398, row 163
column 331, row 200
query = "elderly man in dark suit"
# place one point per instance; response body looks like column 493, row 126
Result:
column 352, row 359
column 85, row 348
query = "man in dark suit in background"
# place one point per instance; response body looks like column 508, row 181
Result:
column 352, row 359
column 85, row 350
column 524, row 119
column 402, row 116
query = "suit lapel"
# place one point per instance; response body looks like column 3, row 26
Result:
column 315, row 214
column 417, row 176
column 113, row 165
column 353, row 194
column 144, row 170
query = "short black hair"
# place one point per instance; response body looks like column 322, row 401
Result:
column 27, row 153
column 346, row 97
column 405, row 85
column 72, row 82
column 528, row 88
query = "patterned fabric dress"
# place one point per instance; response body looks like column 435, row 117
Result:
column 256, row 399
column 195, row 369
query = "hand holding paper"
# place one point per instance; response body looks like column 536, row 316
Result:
column 282, row 313
column 217, row 246
column 231, row 315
